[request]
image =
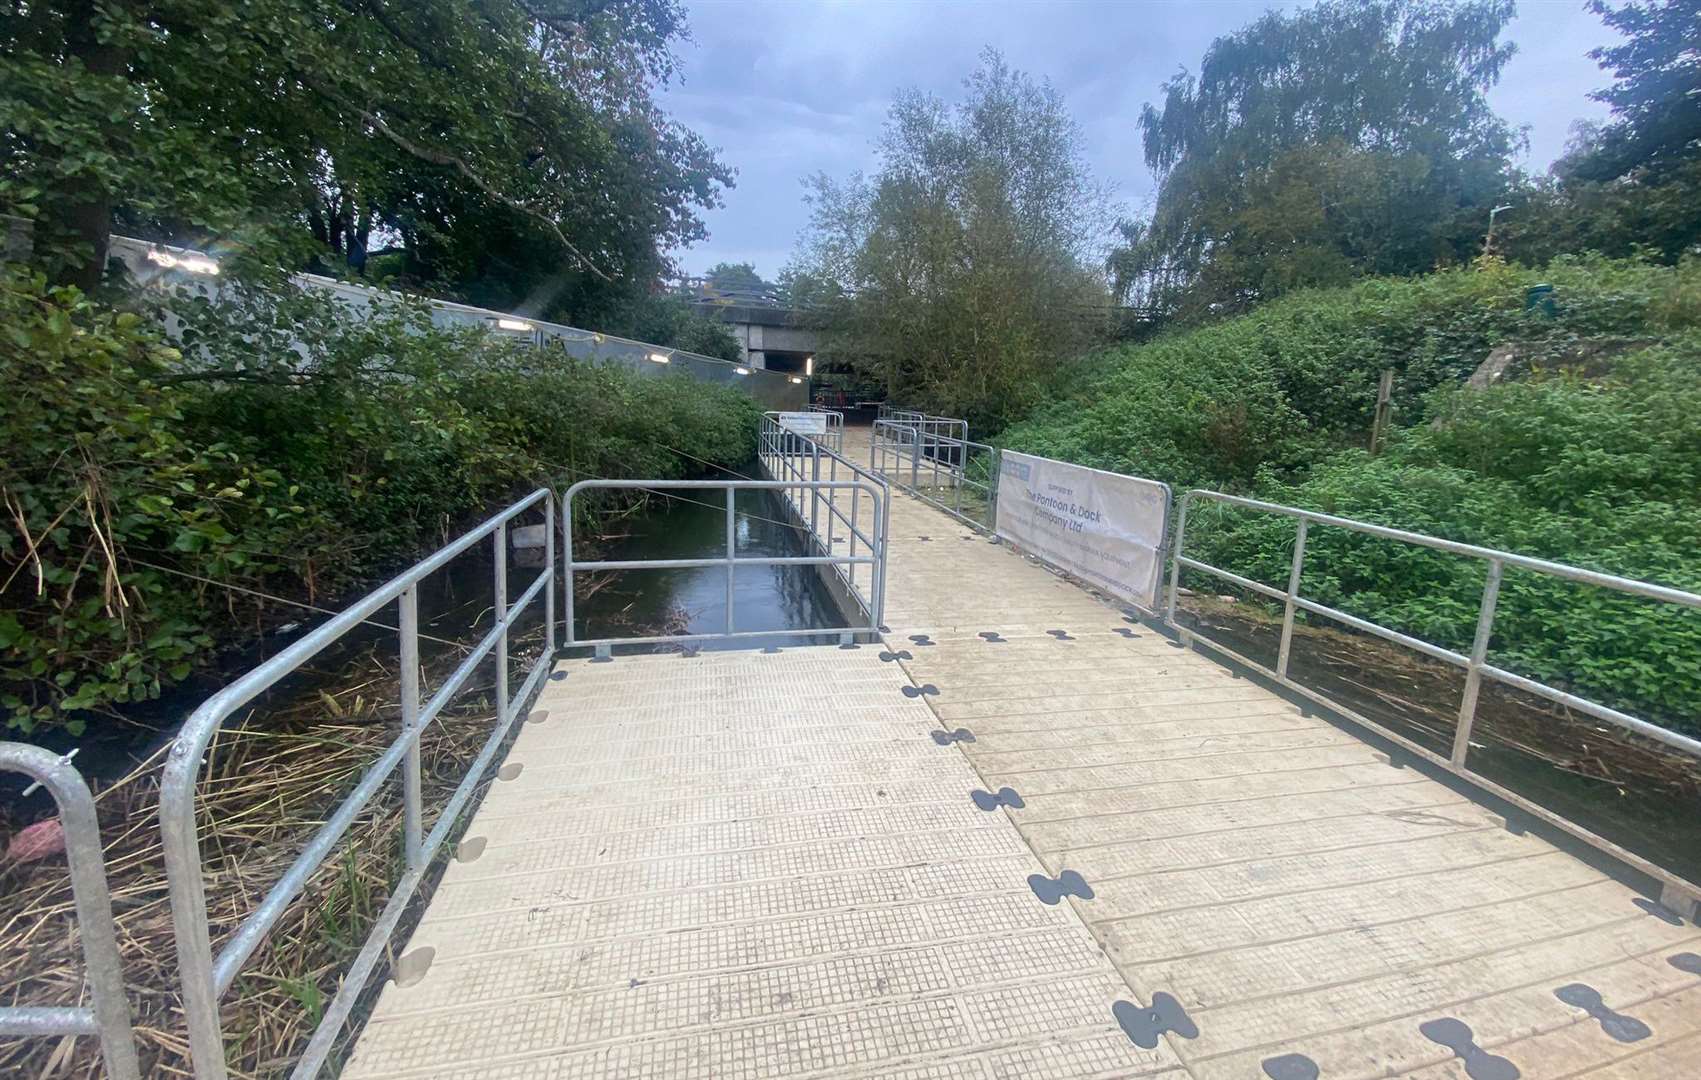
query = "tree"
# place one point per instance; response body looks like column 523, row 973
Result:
column 512, row 146
column 736, row 276
column 1656, row 98
column 1632, row 184
column 968, row 263
column 1349, row 138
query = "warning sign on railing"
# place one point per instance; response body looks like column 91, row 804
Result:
column 804, row 423
column 1103, row 527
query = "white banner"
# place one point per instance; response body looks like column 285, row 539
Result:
column 1102, row 527
column 804, row 423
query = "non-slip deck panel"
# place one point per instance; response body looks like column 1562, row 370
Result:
column 1297, row 895
column 745, row 865
column 1083, row 852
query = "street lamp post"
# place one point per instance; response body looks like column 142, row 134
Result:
column 1488, row 240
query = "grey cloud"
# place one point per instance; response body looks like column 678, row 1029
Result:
column 786, row 89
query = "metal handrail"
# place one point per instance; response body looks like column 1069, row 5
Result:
column 835, row 426
column 108, row 1015
column 946, row 457
column 204, row 978
column 731, row 560
column 782, row 453
column 1475, row 663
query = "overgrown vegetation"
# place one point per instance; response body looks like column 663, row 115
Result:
column 1589, row 453
column 285, row 447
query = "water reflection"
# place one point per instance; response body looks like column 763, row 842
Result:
column 692, row 600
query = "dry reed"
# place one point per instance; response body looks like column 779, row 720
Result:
column 273, row 776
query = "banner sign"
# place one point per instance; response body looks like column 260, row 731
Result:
column 804, row 423
column 1103, row 527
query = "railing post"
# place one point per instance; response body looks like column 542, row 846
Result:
column 90, row 895
column 549, row 586
column 1479, row 653
column 832, row 498
column 413, row 832
column 731, row 549
column 567, row 636
column 961, row 473
column 499, row 540
column 815, row 492
column 1293, row 594
column 883, row 516
column 856, row 500
column 1175, row 562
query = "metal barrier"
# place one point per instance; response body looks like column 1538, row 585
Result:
column 206, row 978
column 731, row 561
column 108, row 1017
column 1475, row 664
column 835, row 437
column 925, row 450
column 782, row 453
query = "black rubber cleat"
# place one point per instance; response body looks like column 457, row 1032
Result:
column 1004, row 796
column 1625, row 1029
column 1145, row 1026
column 1052, row 890
column 1456, row 1035
column 1291, row 1067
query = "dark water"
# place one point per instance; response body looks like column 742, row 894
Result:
column 641, row 603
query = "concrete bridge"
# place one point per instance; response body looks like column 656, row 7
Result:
column 771, row 336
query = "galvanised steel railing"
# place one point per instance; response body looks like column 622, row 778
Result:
column 108, row 1014
column 835, row 437
column 206, row 978
column 731, row 561
column 786, row 455
column 925, row 457
column 1475, row 664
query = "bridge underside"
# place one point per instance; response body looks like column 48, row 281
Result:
column 754, row 865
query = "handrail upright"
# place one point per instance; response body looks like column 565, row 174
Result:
column 108, row 1014
column 206, row 977
column 1475, row 664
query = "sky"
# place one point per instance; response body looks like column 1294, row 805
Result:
column 786, row 88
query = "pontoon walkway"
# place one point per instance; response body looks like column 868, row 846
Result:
column 1029, row 837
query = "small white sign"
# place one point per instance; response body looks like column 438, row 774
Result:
column 1103, row 527
column 804, row 423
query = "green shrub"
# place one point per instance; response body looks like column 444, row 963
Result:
column 1600, row 474
column 287, row 447
column 1275, row 387
column 1599, row 469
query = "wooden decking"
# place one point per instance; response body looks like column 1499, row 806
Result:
column 807, row 864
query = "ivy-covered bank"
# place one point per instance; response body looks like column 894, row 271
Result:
column 1587, row 450
column 276, row 445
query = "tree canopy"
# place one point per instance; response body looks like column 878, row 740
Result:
column 1343, row 139
column 509, row 151
column 965, row 266
column 1655, row 96
column 1630, row 185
